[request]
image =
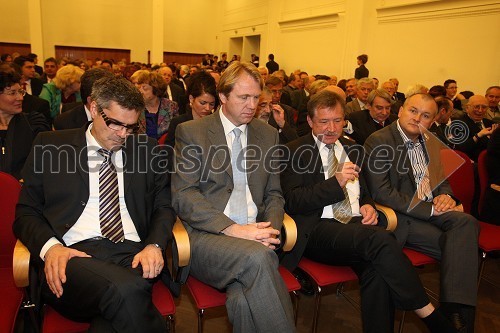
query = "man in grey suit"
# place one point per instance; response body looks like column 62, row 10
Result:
column 227, row 191
column 404, row 174
column 364, row 88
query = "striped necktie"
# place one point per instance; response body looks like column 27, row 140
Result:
column 341, row 210
column 109, row 202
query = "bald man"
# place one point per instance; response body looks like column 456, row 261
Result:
column 174, row 92
column 476, row 125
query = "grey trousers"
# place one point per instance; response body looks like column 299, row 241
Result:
column 451, row 238
column 257, row 298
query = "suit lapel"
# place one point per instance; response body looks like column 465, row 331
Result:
column 80, row 158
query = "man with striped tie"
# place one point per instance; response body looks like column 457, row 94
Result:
column 326, row 194
column 95, row 214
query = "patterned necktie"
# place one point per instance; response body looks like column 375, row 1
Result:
column 238, row 211
column 341, row 210
column 109, row 202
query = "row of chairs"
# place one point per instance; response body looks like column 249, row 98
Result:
column 14, row 278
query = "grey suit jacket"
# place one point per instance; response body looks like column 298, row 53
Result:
column 352, row 106
column 390, row 177
column 203, row 182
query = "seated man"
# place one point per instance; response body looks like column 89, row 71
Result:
column 96, row 211
column 441, row 125
column 405, row 174
column 231, row 203
column 377, row 116
column 337, row 223
column 478, row 128
column 493, row 97
column 274, row 115
column 364, row 87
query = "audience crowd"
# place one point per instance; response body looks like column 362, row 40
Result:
column 318, row 120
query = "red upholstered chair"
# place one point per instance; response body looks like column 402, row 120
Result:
column 483, row 178
column 206, row 297
column 12, row 296
column 489, row 237
column 53, row 322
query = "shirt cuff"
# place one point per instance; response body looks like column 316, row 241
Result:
column 51, row 242
column 432, row 211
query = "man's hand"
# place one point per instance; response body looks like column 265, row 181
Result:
column 279, row 115
column 442, row 204
column 260, row 232
column 346, row 171
column 56, row 259
column 151, row 260
column 369, row 215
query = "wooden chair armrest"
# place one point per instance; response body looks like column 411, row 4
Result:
column 290, row 237
column 21, row 265
column 181, row 241
column 390, row 215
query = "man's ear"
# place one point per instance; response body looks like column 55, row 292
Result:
column 223, row 98
column 93, row 109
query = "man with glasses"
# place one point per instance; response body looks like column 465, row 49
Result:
column 475, row 126
column 95, row 213
column 275, row 86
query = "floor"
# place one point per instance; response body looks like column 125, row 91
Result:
column 337, row 315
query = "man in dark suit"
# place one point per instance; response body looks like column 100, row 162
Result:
column 232, row 205
column 272, row 65
column 275, row 86
column 398, row 95
column 96, row 214
column 477, row 128
column 29, row 82
column 337, row 222
column 49, row 70
column 377, row 116
column 174, row 92
column 441, row 126
column 80, row 114
column 405, row 174
column 274, row 115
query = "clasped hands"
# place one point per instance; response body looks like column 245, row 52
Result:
column 443, row 203
column 261, row 232
column 57, row 257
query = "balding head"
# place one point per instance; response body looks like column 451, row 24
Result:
column 336, row 90
column 477, row 107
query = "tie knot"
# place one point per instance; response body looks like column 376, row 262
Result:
column 105, row 153
column 329, row 146
column 237, row 132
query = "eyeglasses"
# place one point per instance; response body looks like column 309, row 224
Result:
column 115, row 125
column 276, row 91
column 479, row 107
column 9, row 92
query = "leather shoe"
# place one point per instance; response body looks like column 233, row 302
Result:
column 306, row 286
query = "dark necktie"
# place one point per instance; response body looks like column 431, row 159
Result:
column 109, row 202
column 341, row 210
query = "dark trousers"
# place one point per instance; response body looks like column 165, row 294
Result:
column 105, row 291
column 386, row 276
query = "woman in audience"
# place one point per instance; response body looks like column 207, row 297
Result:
column 63, row 89
column 361, row 71
column 452, row 93
column 155, row 119
column 202, row 93
column 17, row 129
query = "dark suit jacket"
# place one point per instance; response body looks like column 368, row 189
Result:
column 288, row 132
column 170, row 140
column 491, row 208
column 442, row 134
column 361, row 72
column 37, row 104
column 307, row 192
column 351, row 107
column 21, row 132
column 390, row 176
column 201, row 193
column 70, row 106
column 272, row 66
column 179, row 96
column 51, row 202
column 400, row 97
column 471, row 148
column 36, row 86
column 363, row 125
column 74, row 118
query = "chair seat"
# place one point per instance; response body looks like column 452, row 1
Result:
column 418, row 258
column 324, row 274
column 53, row 322
column 489, row 237
column 207, row 297
column 12, row 298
